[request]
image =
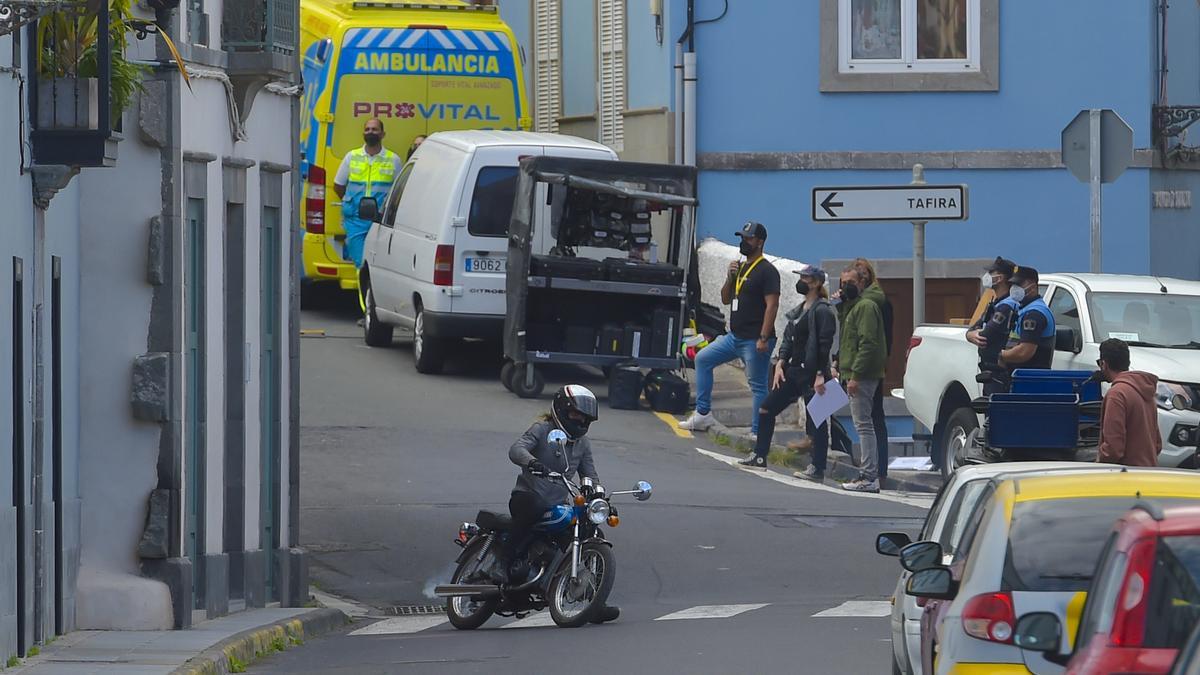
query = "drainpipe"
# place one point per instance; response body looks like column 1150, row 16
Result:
column 689, row 106
column 679, row 112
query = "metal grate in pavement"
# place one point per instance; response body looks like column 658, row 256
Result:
column 414, row 610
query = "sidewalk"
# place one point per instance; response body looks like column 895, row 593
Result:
column 733, row 406
column 223, row 645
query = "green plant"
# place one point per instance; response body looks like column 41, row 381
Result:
column 236, row 665
column 278, row 644
column 13, row 662
column 67, row 47
column 34, row 651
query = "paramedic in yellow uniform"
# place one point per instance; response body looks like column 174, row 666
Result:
column 365, row 172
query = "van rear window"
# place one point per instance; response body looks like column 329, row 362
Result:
column 492, row 201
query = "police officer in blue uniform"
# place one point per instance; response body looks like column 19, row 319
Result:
column 1031, row 344
column 990, row 333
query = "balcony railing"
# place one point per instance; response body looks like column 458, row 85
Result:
column 259, row 26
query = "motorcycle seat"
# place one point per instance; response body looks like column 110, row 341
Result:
column 490, row 520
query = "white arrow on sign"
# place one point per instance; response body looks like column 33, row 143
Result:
column 889, row 202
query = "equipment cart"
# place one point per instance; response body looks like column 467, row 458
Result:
column 601, row 297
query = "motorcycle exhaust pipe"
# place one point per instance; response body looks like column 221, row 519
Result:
column 459, row 590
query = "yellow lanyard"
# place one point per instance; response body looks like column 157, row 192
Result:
column 740, row 281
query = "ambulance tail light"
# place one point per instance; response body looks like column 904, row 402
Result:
column 443, row 266
column 314, row 202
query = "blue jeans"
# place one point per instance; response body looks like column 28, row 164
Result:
column 723, row 350
column 356, row 237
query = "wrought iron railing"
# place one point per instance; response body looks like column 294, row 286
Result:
column 259, row 25
column 1171, row 124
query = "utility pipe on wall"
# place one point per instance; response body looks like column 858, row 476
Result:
column 679, row 113
column 689, row 107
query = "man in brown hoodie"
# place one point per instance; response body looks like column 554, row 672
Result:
column 1129, row 418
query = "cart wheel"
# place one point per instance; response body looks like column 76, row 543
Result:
column 506, row 373
column 517, row 382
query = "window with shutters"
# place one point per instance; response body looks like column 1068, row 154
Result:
column 547, row 94
column 611, row 80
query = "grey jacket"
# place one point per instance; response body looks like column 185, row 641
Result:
column 533, row 445
column 822, row 327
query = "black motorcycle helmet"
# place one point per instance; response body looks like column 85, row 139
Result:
column 574, row 409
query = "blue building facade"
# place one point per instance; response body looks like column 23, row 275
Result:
column 796, row 94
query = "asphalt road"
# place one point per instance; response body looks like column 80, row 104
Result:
column 394, row 461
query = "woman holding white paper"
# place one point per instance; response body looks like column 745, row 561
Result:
column 802, row 368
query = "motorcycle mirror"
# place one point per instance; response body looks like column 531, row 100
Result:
column 643, row 491
column 558, row 436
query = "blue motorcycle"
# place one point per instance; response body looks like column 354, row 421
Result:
column 568, row 567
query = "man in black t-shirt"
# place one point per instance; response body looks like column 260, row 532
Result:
column 752, row 291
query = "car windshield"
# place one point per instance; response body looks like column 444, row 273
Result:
column 1174, row 593
column 1155, row 320
column 1054, row 544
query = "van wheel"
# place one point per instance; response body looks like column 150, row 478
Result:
column 506, row 372
column 429, row 354
column 956, row 440
column 375, row 332
column 517, row 382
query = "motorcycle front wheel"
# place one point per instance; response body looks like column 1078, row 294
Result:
column 573, row 602
column 464, row 612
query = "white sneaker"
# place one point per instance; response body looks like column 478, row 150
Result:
column 698, row 422
column 861, row 485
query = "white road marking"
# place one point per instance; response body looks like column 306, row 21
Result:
column 911, row 499
column 347, row 607
column 402, row 625
column 533, row 621
column 858, row 608
column 710, row 612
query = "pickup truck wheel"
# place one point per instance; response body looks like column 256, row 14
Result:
column 956, row 440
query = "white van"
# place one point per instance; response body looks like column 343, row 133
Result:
column 435, row 262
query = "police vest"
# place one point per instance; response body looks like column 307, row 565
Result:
column 992, row 351
column 369, row 177
column 1044, row 355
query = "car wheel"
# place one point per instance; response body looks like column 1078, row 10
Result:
column 375, row 332
column 428, row 353
column 956, row 440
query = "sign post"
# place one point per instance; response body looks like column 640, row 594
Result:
column 1097, row 146
column 917, row 203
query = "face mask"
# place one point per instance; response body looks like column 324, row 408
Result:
column 849, row 292
column 802, row 288
column 1017, row 293
column 746, row 248
column 372, row 139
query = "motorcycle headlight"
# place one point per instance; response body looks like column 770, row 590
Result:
column 1171, row 396
column 598, row 511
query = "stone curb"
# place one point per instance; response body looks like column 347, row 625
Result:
column 837, row 465
column 249, row 645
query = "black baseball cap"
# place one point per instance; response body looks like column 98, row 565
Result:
column 752, row 229
column 1023, row 273
column 1002, row 266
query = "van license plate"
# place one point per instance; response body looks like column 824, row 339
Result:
column 495, row 265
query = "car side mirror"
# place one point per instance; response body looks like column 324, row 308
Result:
column 643, row 490
column 1038, row 632
column 934, row 583
column 922, row 555
column 368, row 209
column 890, row 543
column 1067, row 340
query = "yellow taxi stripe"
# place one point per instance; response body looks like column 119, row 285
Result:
column 1074, row 614
column 988, row 669
column 673, row 424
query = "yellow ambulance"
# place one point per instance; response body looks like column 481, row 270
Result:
column 419, row 67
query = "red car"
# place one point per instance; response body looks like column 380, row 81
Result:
column 1144, row 600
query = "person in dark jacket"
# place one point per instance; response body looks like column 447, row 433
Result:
column 990, row 333
column 573, row 411
column 803, row 367
column 874, row 292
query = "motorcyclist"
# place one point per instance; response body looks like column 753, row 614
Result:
column 573, row 411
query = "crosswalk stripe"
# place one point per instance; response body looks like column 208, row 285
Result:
column 535, row 621
column 710, row 612
column 858, row 608
column 402, row 625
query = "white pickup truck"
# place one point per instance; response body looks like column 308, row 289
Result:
column 1159, row 317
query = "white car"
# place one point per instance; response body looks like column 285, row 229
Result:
column 944, row 524
column 435, row 260
column 1159, row 317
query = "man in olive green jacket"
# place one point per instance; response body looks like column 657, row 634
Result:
column 861, row 361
